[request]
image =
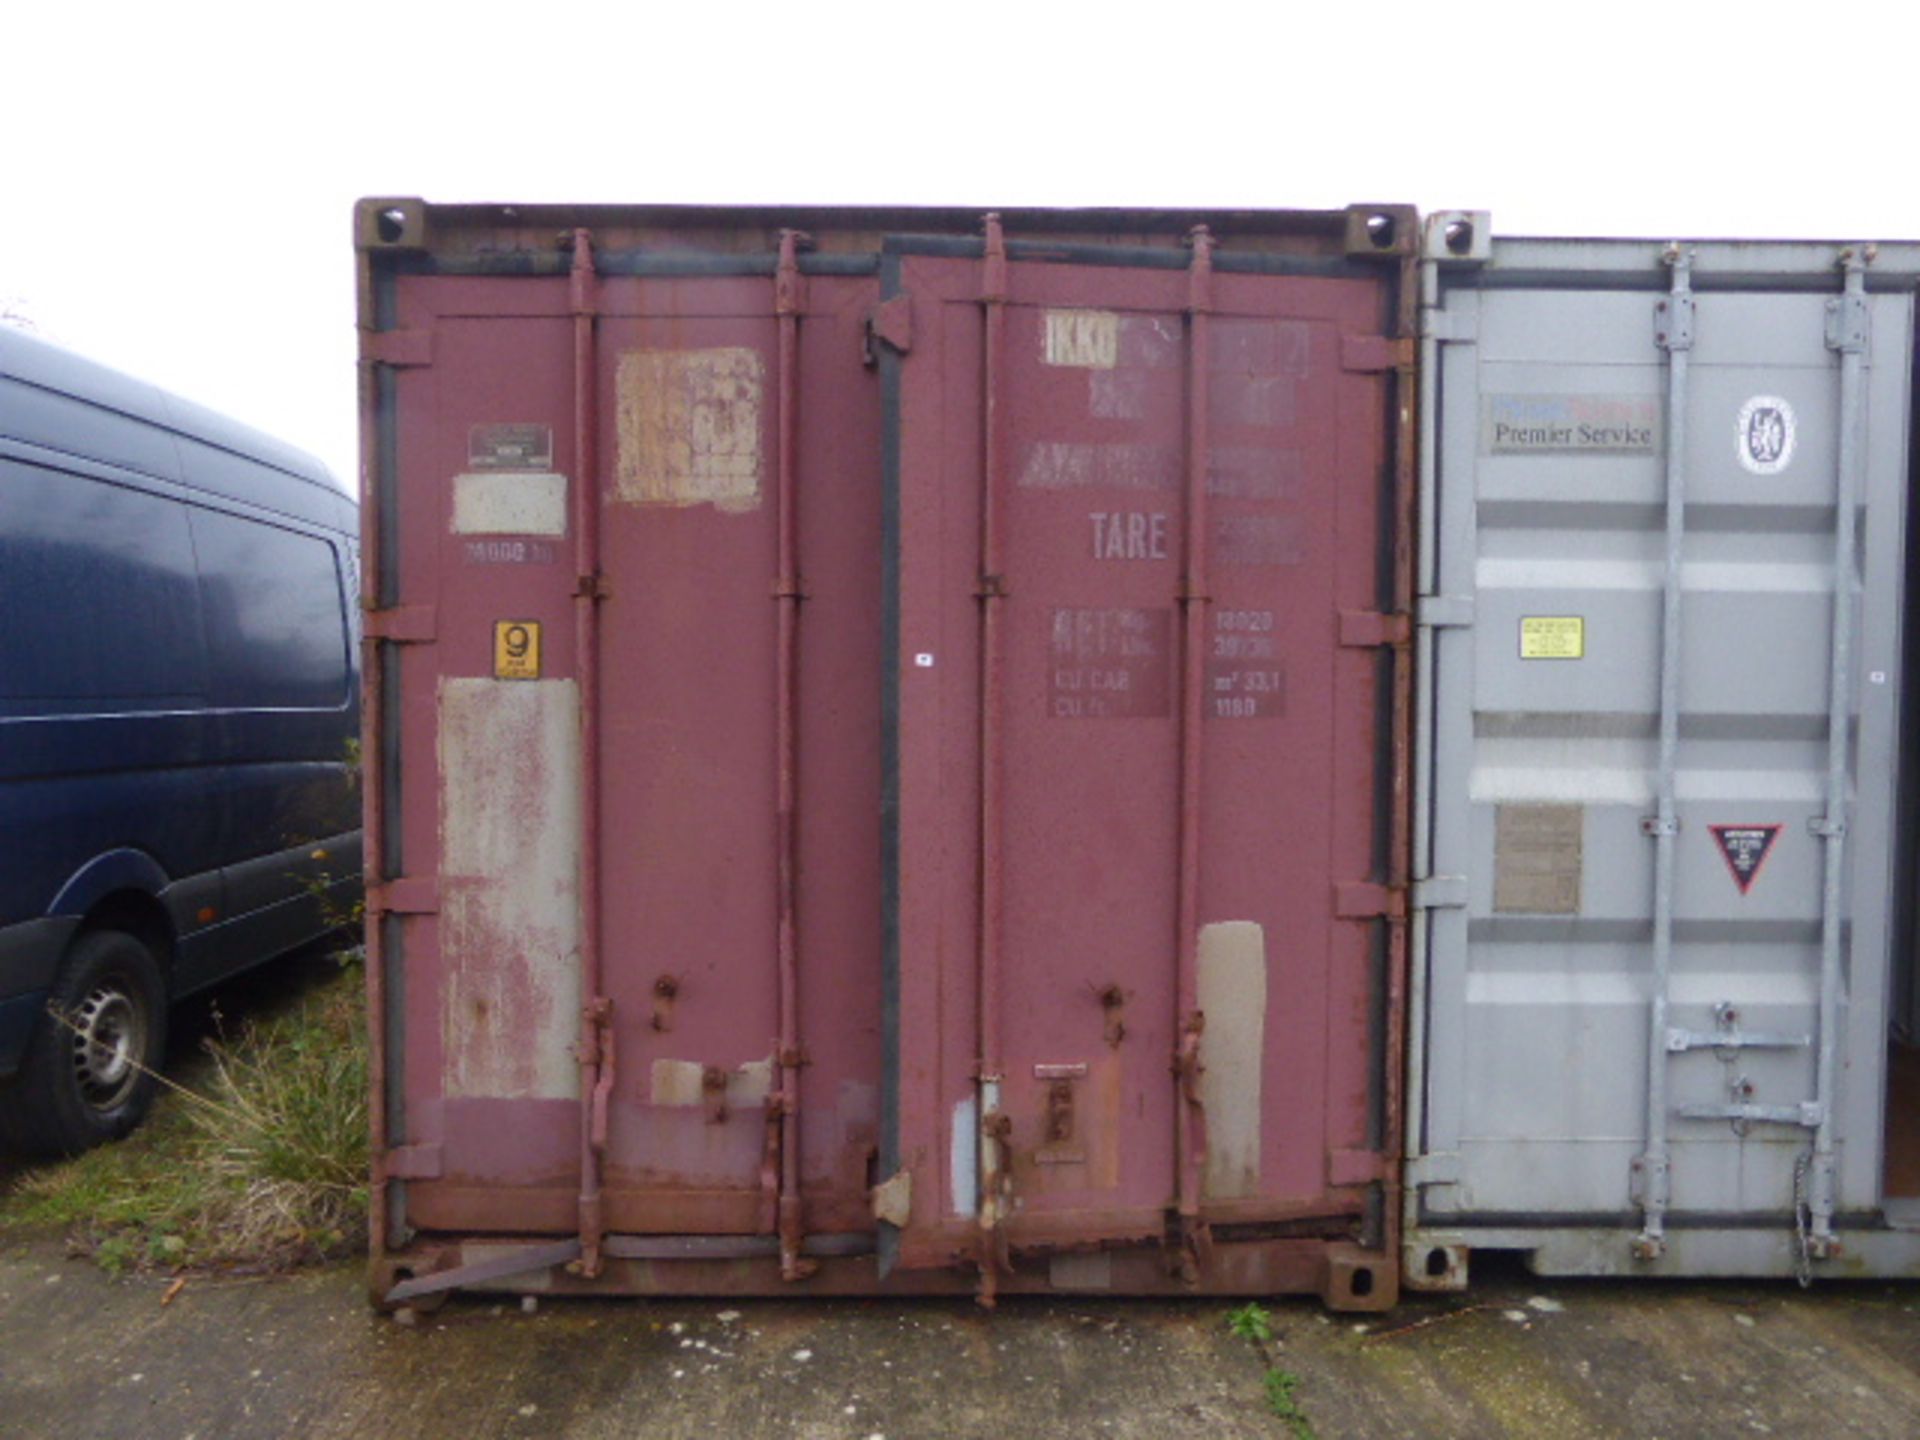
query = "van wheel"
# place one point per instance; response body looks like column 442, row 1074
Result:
column 88, row 1073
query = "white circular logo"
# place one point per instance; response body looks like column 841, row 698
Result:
column 1766, row 435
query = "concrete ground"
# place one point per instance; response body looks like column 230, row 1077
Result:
column 83, row 1354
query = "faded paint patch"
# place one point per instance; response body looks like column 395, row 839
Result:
column 1117, row 394
column 1084, row 339
column 963, row 1158
column 682, row 1082
column 688, row 424
column 509, row 874
column 498, row 503
column 1232, row 975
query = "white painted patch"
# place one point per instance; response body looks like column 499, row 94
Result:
column 509, row 875
column 689, row 424
column 683, row 1082
column 1083, row 339
column 504, row 503
column 1232, row 979
column 963, row 1158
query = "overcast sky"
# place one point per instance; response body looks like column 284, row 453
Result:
column 179, row 178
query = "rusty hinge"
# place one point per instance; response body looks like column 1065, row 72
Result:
column 401, row 624
column 891, row 323
column 400, row 349
column 414, row 1162
column 1370, row 354
column 1363, row 629
column 1368, row 900
column 405, row 895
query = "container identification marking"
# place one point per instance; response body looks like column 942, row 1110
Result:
column 1110, row 664
column 1745, row 849
column 1082, row 339
column 1553, row 637
column 1245, row 680
column 516, row 649
column 1766, row 435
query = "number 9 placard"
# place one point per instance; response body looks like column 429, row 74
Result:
column 516, row 649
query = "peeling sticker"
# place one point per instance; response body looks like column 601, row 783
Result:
column 689, row 427
column 680, row 1082
column 1232, row 978
column 500, row 503
column 1085, row 339
column 509, row 753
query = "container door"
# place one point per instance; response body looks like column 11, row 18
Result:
column 1135, row 754
column 728, row 433
column 1677, row 868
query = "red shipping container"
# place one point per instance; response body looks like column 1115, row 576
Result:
column 886, row 748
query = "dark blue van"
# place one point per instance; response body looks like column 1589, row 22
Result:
column 179, row 707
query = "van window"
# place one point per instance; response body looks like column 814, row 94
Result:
column 98, row 607
column 276, row 624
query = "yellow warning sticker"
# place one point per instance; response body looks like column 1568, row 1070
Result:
column 516, row 649
column 1553, row 637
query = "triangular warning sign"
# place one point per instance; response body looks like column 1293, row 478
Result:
column 1745, row 849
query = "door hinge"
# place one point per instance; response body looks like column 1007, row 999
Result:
column 404, row 895
column 1371, row 354
column 1446, row 612
column 399, row 349
column 1367, row 900
column 414, row 1162
column 1440, row 1167
column 1355, row 1167
column 1449, row 326
column 891, row 324
column 401, row 624
column 1363, row 629
column 1440, row 892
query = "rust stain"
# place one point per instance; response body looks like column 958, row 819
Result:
column 689, row 427
column 509, row 927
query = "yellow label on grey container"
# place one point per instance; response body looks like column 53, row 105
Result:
column 1553, row 637
column 516, row 649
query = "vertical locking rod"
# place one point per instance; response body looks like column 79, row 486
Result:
column 1846, row 333
column 1673, row 332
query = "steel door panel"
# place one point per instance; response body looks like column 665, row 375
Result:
column 1094, row 396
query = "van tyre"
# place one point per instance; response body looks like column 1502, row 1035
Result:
column 89, row 1079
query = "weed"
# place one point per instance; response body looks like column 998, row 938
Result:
column 261, row 1162
column 1251, row 1322
column 1280, row 1385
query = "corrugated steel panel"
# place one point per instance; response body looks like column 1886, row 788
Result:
column 1621, row 1032
column 687, row 706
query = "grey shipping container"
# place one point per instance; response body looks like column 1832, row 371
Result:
column 1662, row 1003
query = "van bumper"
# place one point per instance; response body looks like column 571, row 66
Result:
column 29, row 955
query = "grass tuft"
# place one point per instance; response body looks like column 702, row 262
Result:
column 258, row 1161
